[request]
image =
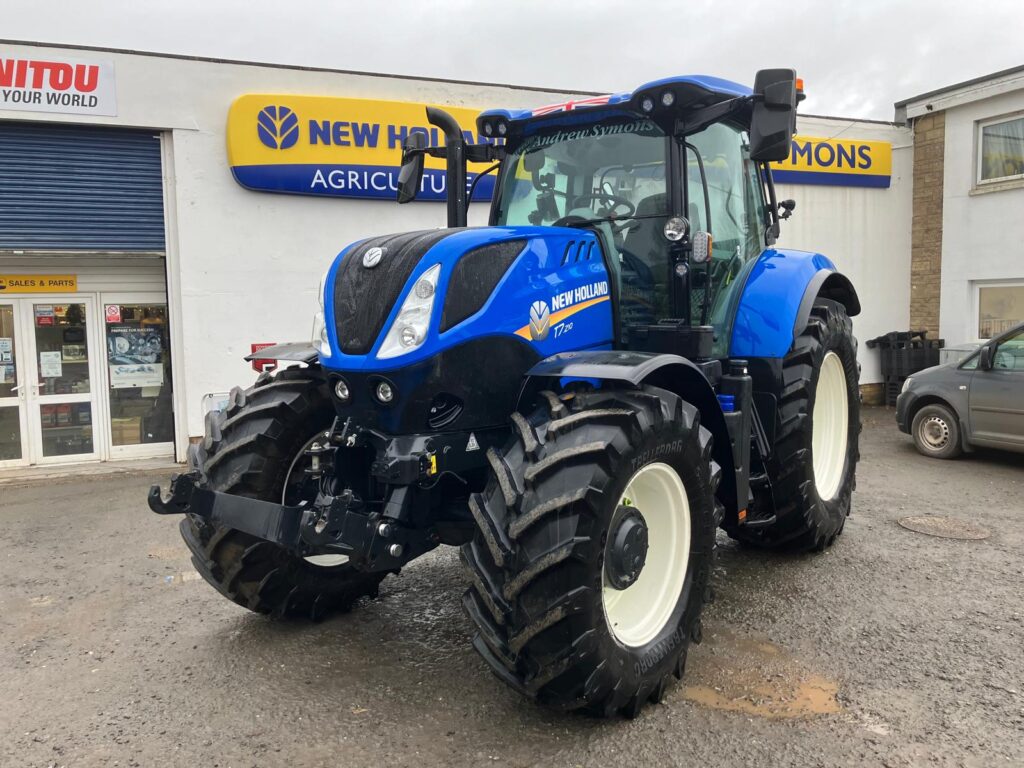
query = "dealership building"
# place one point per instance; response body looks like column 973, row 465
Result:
column 161, row 215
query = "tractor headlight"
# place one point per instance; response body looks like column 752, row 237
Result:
column 320, row 341
column 409, row 330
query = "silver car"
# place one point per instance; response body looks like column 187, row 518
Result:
column 975, row 402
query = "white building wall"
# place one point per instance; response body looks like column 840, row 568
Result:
column 982, row 230
column 866, row 232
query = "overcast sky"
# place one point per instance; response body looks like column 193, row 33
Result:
column 857, row 58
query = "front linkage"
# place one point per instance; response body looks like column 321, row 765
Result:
column 376, row 537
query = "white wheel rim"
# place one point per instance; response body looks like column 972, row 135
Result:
column 324, row 561
column 638, row 613
column 829, row 427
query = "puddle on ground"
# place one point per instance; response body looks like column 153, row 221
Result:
column 758, row 678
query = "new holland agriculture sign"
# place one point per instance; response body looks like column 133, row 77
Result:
column 321, row 145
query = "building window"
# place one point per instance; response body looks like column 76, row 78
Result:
column 1001, row 155
column 1000, row 308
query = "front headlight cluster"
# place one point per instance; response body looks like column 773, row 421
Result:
column 320, row 340
column 906, row 385
column 409, row 330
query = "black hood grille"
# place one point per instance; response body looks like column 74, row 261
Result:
column 363, row 297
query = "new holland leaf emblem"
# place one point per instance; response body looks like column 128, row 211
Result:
column 540, row 320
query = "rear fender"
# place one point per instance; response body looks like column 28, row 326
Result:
column 671, row 372
column 777, row 298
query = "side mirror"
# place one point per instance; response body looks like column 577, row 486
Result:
column 411, row 175
column 985, row 358
column 773, row 122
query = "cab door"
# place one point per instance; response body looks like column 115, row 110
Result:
column 997, row 396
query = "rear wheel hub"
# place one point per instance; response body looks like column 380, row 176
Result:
column 627, row 550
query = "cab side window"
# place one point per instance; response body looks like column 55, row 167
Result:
column 735, row 206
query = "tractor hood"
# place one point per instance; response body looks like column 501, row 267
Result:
column 398, row 300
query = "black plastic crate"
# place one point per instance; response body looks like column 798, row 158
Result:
column 903, row 353
column 893, row 386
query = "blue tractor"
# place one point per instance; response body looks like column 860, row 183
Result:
column 578, row 395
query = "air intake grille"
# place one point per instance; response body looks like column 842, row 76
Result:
column 474, row 277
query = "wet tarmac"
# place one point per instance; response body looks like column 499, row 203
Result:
column 893, row 648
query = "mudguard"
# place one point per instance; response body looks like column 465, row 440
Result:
column 671, row 372
column 777, row 299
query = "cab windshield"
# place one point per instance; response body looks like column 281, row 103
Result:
column 612, row 179
column 610, row 172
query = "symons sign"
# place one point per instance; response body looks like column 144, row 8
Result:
column 836, row 162
column 57, row 85
column 321, row 145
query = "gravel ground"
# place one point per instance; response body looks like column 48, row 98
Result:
column 893, row 648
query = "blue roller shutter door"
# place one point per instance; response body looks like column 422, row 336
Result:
column 80, row 188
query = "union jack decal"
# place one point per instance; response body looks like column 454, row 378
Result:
column 568, row 106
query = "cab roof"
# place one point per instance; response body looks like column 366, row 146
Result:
column 687, row 91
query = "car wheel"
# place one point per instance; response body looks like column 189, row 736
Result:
column 936, row 432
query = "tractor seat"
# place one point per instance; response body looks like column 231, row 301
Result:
column 645, row 240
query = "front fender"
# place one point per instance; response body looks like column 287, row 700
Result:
column 671, row 372
column 777, row 299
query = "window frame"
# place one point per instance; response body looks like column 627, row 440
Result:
column 976, row 313
column 979, row 127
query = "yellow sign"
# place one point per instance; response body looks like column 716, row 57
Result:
column 38, row 284
column 321, row 145
column 838, row 162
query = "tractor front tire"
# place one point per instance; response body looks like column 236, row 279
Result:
column 253, row 448
column 814, row 461
column 557, row 618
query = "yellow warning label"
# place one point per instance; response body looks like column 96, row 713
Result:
column 38, row 284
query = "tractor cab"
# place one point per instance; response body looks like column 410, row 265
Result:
column 668, row 180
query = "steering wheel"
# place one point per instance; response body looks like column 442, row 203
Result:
column 614, row 200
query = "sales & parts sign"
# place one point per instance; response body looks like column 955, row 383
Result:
column 57, row 84
column 38, row 284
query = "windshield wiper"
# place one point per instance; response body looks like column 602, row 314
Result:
column 601, row 219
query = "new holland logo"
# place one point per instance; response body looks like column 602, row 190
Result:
column 540, row 320
column 277, row 127
column 372, row 257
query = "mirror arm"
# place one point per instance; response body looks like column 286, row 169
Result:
column 774, row 227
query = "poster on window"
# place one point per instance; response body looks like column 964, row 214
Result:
column 50, row 366
column 135, row 355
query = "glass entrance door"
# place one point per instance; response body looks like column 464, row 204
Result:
column 62, row 378
column 14, row 450
column 138, row 355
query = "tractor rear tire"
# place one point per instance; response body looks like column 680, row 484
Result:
column 549, row 621
column 814, row 461
column 253, row 448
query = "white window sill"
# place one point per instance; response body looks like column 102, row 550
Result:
column 997, row 186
